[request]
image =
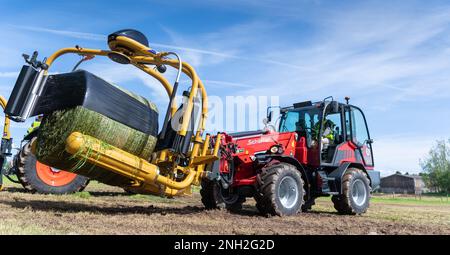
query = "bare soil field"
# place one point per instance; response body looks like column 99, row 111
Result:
column 107, row 210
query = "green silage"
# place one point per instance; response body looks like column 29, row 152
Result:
column 57, row 126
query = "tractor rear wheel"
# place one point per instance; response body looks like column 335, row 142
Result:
column 355, row 193
column 215, row 197
column 38, row 177
column 280, row 190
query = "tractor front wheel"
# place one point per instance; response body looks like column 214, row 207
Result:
column 355, row 193
column 38, row 177
column 215, row 197
column 280, row 190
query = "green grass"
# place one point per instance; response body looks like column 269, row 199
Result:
column 401, row 199
column 15, row 227
column 411, row 200
column 82, row 194
column 9, row 183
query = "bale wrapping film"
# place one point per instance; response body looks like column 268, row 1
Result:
column 59, row 124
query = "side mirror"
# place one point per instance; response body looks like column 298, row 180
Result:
column 269, row 117
column 334, row 107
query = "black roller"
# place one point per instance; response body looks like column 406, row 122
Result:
column 130, row 33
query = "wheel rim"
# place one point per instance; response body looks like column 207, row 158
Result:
column 53, row 176
column 288, row 192
column 359, row 192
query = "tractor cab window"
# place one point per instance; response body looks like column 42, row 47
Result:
column 334, row 126
column 302, row 121
column 289, row 122
column 332, row 136
column 359, row 134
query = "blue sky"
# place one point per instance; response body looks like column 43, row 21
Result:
column 391, row 57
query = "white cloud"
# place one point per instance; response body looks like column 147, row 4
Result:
column 8, row 74
column 78, row 35
column 225, row 50
column 401, row 153
column 228, row 84
column 368, row 50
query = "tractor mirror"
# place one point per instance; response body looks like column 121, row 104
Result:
column 334, row 107
column 269, row 117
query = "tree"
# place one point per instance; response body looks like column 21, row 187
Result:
column 436, row 167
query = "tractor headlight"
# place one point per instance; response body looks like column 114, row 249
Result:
column 274, row 149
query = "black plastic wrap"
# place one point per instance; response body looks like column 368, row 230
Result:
column 81, row 88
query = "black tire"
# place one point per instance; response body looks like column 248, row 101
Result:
column 307, row 206
column 214, row 197
column 28, row 177
column 354, row 180
column 268, row 200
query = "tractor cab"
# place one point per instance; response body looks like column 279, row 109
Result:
column 329, row 133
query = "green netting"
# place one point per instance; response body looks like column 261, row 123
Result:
column 57, row 126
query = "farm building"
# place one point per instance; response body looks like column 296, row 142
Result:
column 399, row 183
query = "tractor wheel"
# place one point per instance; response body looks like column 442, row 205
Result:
column 215, row 197
column 280, row 190
column 355, row 193
column 38, row 177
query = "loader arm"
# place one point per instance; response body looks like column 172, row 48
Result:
column 6, row 143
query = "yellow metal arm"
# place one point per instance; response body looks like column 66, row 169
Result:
column 82, row 51
column 120, row 161
column 6, row 131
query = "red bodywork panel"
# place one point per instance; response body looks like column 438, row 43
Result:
column 246, row 148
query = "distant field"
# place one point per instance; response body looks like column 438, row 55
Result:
column 103, row 209
column 410, row 199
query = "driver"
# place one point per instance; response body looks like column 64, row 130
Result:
column 327, row 136
column 300, row 125
column 328, row 133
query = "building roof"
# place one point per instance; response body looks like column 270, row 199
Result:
column 414, row 176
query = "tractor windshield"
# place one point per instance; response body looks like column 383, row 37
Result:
column 302, row 120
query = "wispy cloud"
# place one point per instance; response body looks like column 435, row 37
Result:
column 401, row 152
column 221, row 54
column 72, row 34
column 228, row 84
column 371, row 50
column 8, row 74
column 272, row 8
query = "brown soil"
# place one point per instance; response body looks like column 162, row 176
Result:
column 107, row 210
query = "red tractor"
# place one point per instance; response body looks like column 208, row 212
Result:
column 317, row 149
